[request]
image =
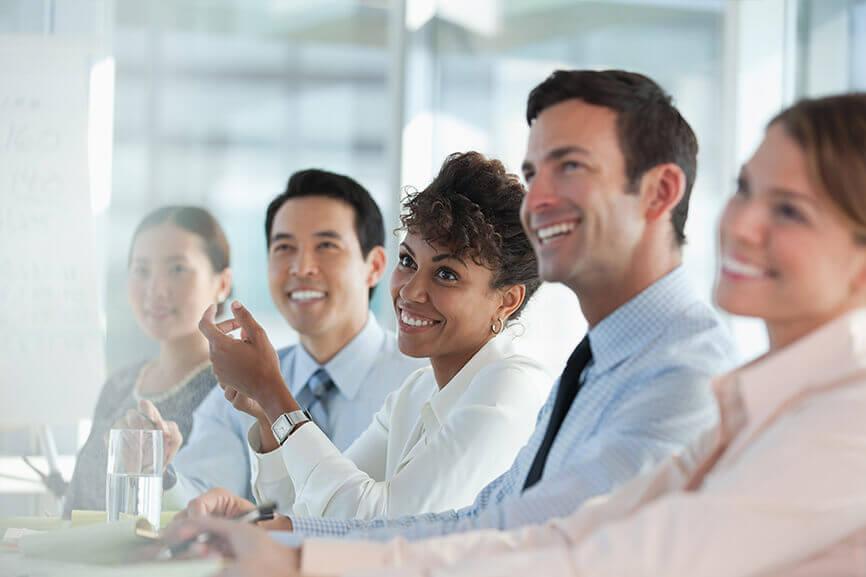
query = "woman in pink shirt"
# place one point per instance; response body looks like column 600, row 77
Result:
column 779, row 486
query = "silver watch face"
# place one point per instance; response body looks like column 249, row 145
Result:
column 281, row 428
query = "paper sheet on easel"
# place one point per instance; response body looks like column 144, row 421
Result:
column 51, row 360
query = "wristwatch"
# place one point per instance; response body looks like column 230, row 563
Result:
column 287, row 422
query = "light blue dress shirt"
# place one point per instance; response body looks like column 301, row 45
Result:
column 645, row 395
column 364, row 372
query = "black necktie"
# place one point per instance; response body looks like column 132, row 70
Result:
column 569, row 386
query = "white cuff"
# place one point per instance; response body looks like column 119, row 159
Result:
column 271, row 467
column 302, row 452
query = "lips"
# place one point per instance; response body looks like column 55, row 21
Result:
column 306, row 295
column 732, row 266
column 548, row 233
column 415, row 320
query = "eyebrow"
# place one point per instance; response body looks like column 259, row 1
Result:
column 438, row 258
column 558, row 153
column 318, row 234
column 172, row 257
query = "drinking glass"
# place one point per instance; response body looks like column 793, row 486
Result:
column 134, row 480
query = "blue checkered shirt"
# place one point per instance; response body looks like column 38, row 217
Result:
column 645, row 395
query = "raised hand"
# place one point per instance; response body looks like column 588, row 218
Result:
column 248, row 365
column 148, row 417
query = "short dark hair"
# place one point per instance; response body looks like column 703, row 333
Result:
column 199, row 222
column 369, row 225
column 473, row 208
column 651, row 131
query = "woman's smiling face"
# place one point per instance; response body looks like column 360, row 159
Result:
column 444, row 304
column 788, row 255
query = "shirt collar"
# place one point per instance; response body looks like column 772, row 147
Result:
column 350, row 365
column 826, row 357
column 637, row 323
column 443, row 400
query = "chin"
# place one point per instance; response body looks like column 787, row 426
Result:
column 411, row 349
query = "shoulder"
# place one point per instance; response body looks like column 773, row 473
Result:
column 694, row 344
column 515, row 377
column 117, row 387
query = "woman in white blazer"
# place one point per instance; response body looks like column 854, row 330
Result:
column 465, row 271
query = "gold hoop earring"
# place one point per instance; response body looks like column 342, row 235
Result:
column 495, row 330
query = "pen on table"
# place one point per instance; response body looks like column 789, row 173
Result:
column 263, row 512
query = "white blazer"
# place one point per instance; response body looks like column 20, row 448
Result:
column 427, row 449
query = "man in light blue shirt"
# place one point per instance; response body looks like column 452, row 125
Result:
column 610, row 164
column 325, row 240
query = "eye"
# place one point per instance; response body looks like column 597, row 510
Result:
column 177, row 269
column 447, row 275
column 327, row 245
column 741, row 188
column 567, row 166
column 528, row 175
column 140, row 271
column 405, row 261
column 281, row 247
column 788, row 211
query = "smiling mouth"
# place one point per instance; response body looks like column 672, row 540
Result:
column 305, row 296
column 415, row 321
column 738, row 268
column 548, row 233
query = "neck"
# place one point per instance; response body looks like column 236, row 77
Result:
column 179, row 356
column 782, row 333
column 324, row 347
column 445, row 367
column 602, row 293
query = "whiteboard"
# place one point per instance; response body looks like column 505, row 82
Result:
column 52, row 351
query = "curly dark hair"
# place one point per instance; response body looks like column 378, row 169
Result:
column 472, row 207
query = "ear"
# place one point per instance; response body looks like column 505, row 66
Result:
column 512, row 298
column 377, row 262
column 662, row 188
column 224, row 284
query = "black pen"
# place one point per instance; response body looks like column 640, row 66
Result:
column 264, row 512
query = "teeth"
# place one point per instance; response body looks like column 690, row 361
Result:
column 741, row 268
column 306, row 295
column 414, row 322
column 555, row 230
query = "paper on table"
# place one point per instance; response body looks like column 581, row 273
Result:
column 14, row 564
column 105, row 543
column 83, row 517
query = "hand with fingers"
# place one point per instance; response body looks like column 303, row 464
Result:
column 254, row 553
column 148, row 417
column 217, row 502
column 247, row 366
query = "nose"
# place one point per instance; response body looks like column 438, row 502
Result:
column 305, row 263
column 157, row 285
column 540, row 192
column 414, row 289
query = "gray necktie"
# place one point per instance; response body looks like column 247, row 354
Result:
column 314, row 397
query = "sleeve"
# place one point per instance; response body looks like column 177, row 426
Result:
column 651, row 425
column 434, row 524
column 215, row 456
column 329, row 557
column 329, row 483
column 272, row 481
column 747, row 521
column 476, row 442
